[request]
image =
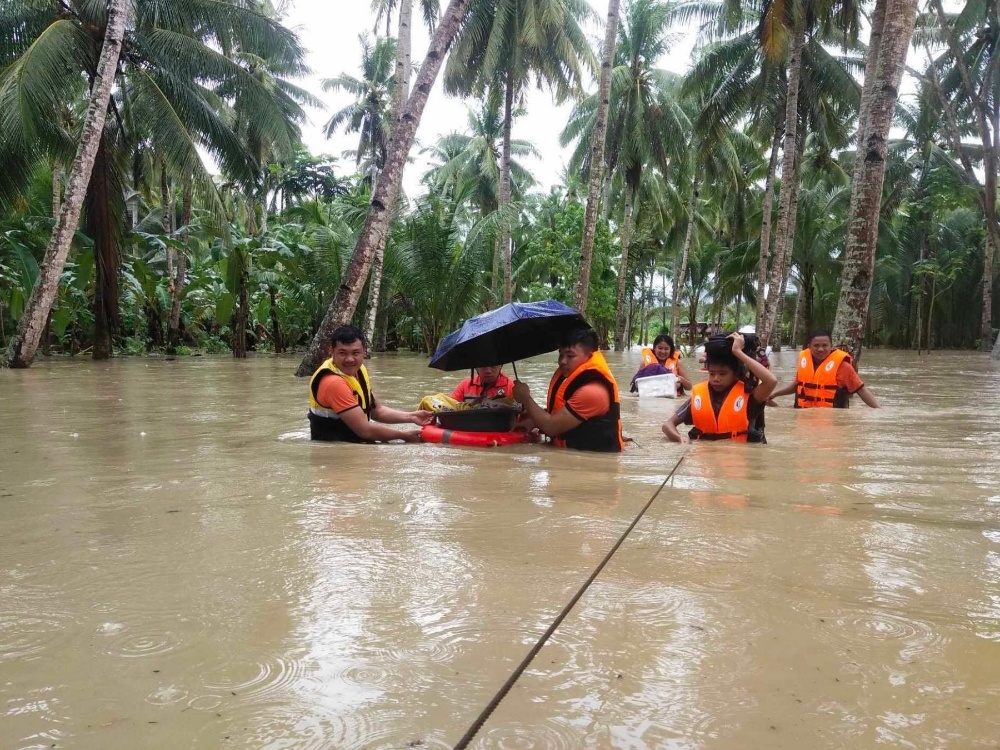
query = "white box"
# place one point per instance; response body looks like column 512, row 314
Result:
column 664, row 386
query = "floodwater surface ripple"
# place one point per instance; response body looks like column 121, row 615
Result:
column 181, row 568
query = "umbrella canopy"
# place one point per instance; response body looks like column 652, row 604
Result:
column 509, row 333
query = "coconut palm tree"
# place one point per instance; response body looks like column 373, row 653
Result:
column 598, row 146
column 504, row 46
column 647, row 125
column 29, row 330
column 476, row 156
column 187, row 79
column 375, row 231
column 370, row 114
column 878, row 106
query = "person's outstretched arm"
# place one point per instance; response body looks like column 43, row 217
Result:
column 868, row 397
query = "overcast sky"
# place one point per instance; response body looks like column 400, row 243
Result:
column 329, row 29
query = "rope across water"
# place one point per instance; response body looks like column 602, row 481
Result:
column 505, row 688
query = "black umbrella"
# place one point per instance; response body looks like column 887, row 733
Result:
column 509, row 333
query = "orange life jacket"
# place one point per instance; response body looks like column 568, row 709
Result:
column 603, row 433
column 733, row 422
column 472, row 389
column 816, row 387
column 649, row 358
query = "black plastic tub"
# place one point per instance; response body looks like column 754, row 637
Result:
column 496, row 419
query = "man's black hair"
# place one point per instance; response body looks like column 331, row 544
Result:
column 584, row 335
column 347, row 335
column 815, row 334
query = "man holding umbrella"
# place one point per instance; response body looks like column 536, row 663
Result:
column 583, row 406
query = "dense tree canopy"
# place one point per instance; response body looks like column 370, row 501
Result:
column 247, row 251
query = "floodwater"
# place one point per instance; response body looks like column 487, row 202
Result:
column 179, row 568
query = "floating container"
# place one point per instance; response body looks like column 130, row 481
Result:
column 663, row 386
column 492, row 419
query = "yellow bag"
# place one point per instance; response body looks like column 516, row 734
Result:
column 441, row 402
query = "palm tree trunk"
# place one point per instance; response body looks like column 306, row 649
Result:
column 24, row 344
column 767, row 211
column 495, row 279
column 174, row 322
column 799, row 305
column 508, row 115
column 866, row 193
column 786, row 266
column 242, row 314
column 986, row 332
column 675, row 311
column 597, row 146
column 620, row 308
column 783, row 239
column 165, row 205
column 400, row 93
column 374, row 289
column 100, row 223
column 995, row 356
column 376, row 227
column 275, row 323
column 56, row 188
column 401, row 87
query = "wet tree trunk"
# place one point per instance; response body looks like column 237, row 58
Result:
column 767, row 211
column 375, row 230
column 620, row 328
column 675, row 310
column 174, row 323
column 597, row 146
column 276, row 338
column 786, row 266
column 242, row 315
column 29, row 329
column 100, row 222
column 866, row 193
column 56, row 188
column 797, row 317
column 508, row 116
column 783, row 238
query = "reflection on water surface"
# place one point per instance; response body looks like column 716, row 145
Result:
column 180, row 569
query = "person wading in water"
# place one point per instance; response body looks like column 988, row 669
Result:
column 729, row 406
column 584, row 405
column 342, row 405
column 826, row 377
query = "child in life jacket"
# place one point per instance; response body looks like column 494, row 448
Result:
column 729, row 405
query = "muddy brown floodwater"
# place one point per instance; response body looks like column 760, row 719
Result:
column 180, row 568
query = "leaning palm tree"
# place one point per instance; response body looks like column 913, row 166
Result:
column 184, row 81
column 504, row 46
column 400, row 93
column 475, row 157
column 369, row 114
column 29, row 330
column 375, row 231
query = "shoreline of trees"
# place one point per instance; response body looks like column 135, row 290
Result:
column 284, row 244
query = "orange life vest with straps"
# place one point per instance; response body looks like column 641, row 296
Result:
column 603, row 433
column 733, row 422
column 472, row 389
column 816, row 387
column 649, row 358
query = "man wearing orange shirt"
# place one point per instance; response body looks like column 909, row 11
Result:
column 342, row 405
column 584, row 406
column 825, row 377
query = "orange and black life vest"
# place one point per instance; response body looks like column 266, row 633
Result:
column 326, row 424
column 733, row 421
column 816, row 386
column 472, row 388
column 603, row 433
column 649, row 358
